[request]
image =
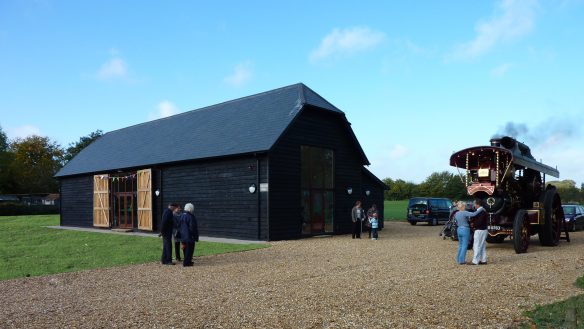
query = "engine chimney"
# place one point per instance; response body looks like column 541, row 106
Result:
column 496, row 142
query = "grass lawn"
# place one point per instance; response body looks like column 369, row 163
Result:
column 395, row 210
column 554, row 315
column 28, row 248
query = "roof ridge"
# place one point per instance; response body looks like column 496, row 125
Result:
column 319, row 96
column 208, row 107
column 301, row 95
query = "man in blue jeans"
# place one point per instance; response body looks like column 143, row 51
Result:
column 463, row 231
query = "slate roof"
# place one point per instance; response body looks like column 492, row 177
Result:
column 368, row 173
column 241, row 126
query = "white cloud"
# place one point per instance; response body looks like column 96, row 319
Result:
column 398, row 151
column 346, row 41
column 500, row 70
column 165, row 109
column 513, row 19
column 242, row 73
column 115, row 68
column 22, row 131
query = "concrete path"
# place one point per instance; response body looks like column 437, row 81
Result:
column 154, row 235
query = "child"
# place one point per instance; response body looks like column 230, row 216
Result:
column 374, row 225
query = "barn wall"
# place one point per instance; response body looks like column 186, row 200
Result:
column 375, row 197
column 318, row 128
column 77, row 201
column 219, row 191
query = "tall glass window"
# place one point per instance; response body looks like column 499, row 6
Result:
column 318, row 180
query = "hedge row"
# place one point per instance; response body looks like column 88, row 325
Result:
column 15, row 209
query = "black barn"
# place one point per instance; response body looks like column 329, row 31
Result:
column 282, row 164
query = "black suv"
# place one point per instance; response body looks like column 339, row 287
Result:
column 573, row 216
column 430, row 210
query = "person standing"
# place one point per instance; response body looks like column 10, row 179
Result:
column 189, row 233
column 357, row 218
column 463, row 231
column 176, row 234
column 480, row 220
column 374, row 225
column 166, row 233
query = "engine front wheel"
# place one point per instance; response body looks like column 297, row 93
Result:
column 521, row 232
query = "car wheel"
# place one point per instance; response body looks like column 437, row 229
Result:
column 573, row 226
column 412, row 222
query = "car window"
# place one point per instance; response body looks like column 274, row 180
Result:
column 446, row 204
column 581, row 210
column 418, row 201
column 434, row 203
column 569, row 210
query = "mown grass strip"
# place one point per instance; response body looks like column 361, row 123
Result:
column 29, row 248
column 568, row 313
column 395, row 210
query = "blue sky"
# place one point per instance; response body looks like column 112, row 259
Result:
column 417, row 79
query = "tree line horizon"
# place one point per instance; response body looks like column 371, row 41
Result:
column 28, row 165
column 448, row 185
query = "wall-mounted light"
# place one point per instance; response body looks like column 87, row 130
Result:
column 367, row 192
column 349, row 190
column 157, row 192
column 252, row 188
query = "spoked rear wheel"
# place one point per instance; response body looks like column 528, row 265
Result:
column 549, row 232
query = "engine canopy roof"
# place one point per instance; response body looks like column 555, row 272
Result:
column 518, row 155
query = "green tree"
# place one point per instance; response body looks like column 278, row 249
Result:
column 455, row 188
column 3, row 141
column 568, row 191
column 435, row 185
column 399, row 189
column 36, row 160
column 7, row 182
column 75, row 148
column 389, row 182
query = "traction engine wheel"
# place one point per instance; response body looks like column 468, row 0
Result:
column 521, row 231
column 549, row 232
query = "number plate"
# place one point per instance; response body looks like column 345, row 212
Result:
column 494, row 228
column 415, row 212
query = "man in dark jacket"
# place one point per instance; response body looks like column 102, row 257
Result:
column 480, row 221
column 189, row 233
column 166, row 233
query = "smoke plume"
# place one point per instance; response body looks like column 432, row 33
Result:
column 546, row 134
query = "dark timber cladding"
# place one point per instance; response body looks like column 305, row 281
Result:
column 376, row 189
column 77, row 201
column 319, row 128
column 219, row 189
column 271, row 166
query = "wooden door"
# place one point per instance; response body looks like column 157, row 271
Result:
column 145, row 199
column 101, row 206
column 124, row 209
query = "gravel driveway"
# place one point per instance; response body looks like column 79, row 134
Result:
column 407, row 279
